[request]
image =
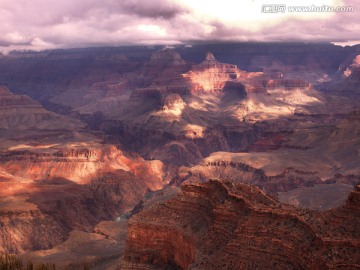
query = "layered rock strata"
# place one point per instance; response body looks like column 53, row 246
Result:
column 222, row 225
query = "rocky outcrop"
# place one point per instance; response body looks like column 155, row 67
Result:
column 352, row 76
column 164, row 69
column 235, row 226
column 165, row 248
column 24, row 227
column 48, row 191
column 78, row 164
column 347, row 81
column 21, row 112
column 210, row 76
column 289, row 179
column 173, row 105
column 167, row 56
column 233, row 91
column 349, row 68
column 41, row 215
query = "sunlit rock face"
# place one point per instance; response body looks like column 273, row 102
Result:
column 79, row 163
column 222, row 225
column 52, row 190
column 173, row 105
column 211, row 75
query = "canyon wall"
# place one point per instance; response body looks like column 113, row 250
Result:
column 236, row 226
column 48, row 192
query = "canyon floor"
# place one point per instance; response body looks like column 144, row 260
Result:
column 203, row 157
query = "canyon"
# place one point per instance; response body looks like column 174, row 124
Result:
column 109, row 155
column 222, row 225
column 55, row 177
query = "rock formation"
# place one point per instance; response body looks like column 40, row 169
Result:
column 211, row 75
column 87, row 134
column 78, row 164
column 221, row 225
column 55, row 177
column 22, row 112
column 164, row 69
column 55, row 191
column 347, row 81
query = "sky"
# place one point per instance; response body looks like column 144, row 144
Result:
column 48, row 24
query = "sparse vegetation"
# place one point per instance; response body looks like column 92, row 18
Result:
column 14, row 262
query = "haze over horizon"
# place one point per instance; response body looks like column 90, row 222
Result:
column 40, row 24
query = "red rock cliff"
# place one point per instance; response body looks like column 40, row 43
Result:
column 235, row 226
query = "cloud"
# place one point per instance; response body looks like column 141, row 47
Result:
column 152, row 9
column 41, row 24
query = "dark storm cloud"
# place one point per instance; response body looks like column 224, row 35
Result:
column 152, row 9
column 40, row 24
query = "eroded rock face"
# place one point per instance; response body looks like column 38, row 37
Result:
column 347, row 81
column 22, row 112
column 211, row 75
column 41, row 215
column 78, row 164
column 24, row 227
column 167, row 56
column 48, row 191
column 164, row 69
column 173, row 104
column 235, row 226
column 353, row 74
column 179, row 252
column 352, row 67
